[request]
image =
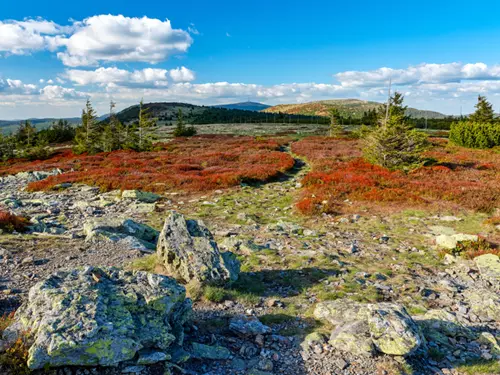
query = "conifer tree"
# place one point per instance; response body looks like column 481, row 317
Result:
column 86, row 134
column 335, row 127
column 146, row 122
column 484, row 111
column 394, row 144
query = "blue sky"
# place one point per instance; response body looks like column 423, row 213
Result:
column 55, row 54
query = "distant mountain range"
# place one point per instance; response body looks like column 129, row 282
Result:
column 244, row 106
column 346, row 107
column 167, row 113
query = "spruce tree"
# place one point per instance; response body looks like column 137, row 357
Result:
column 394, row 144
column 86, row 139
column 146, row 122
column 484, row 111
column 335, row 127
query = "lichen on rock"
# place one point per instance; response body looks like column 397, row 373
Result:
column 100, row 316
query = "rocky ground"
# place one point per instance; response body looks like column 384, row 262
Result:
column 289, row 264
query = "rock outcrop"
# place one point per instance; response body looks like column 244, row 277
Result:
column 386, row 327
column 188, row 251
column 126, row 232
column 101, row 316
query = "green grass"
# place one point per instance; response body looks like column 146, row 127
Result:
column 491, row 367
column 214, row 294
column 146, row 263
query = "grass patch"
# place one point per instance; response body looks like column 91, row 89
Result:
column 146, row 263
column 480, row 366
column 214, row 294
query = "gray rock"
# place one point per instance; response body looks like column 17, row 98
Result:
column 449, row 241
column 100, row 316
column 341, row 311
column 393, row 331
column 188, row 251
column 125, row 231
column 210, row 352
column 141, row 196
column 248, row 326
column 489, row 267
column 352, row 337
column 151, row 357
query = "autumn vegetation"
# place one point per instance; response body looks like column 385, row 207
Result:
column 199, row 163
column 10, row 222
column 453, row 177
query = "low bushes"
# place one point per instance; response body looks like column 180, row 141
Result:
column 458, row 177
column 200, row 163
column 10, row 222
column 475, row 134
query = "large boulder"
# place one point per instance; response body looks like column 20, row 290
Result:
column 352, row 337
column 188, row 251
column 101, row 316
column 393, row 331
column 489, row 267
column 341, row 311
column 359, row 327
column 126, row 232
column 484, row 303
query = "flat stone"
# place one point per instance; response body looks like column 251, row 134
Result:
column 210, row 352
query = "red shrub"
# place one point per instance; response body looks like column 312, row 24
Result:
column 197, row 164
column 10, row 222
column 467, row 178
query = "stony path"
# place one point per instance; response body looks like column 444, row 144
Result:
column 289, row 263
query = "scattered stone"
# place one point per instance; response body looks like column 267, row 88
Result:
column 489, row 267
column 100, row 316
column 141, row 196
column 393, row 331
column 450, row 241
column 210, row 352
column 352, row 337
column 151, row 357
column 341, row 311
column 188, row 251
column 248, row 326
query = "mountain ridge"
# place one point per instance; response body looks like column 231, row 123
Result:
column 346, row 107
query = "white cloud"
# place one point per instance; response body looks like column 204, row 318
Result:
column 101, row 38
column 54, row 92
column 16, row 87
column 182, row 74
column 118, row 38
column 119, row 77
column 420, row 74
column 24, row 37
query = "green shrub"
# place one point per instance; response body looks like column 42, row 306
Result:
column 214, row 294
column 475, row 134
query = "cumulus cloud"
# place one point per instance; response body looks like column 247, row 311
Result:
column 24, row 37
column 119, row 77
column 16, row 87
column 119, row 38
column 55, row 92
column 420, row 74
column 182, row 74
column 101, row 38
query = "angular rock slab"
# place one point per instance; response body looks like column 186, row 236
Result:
column 489, row 267
column 100, row 316
column 352, row 337
column 393, row 331
column 341, row 311
column 188, row 251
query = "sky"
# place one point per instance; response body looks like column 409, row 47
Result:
column 55, row 54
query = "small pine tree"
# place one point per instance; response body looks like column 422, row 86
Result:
column 145, row 139
column 87, row 134
column 484, row 111
column 26, row 135
column 181, row 130
column 335, row 127
column 394, row 144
